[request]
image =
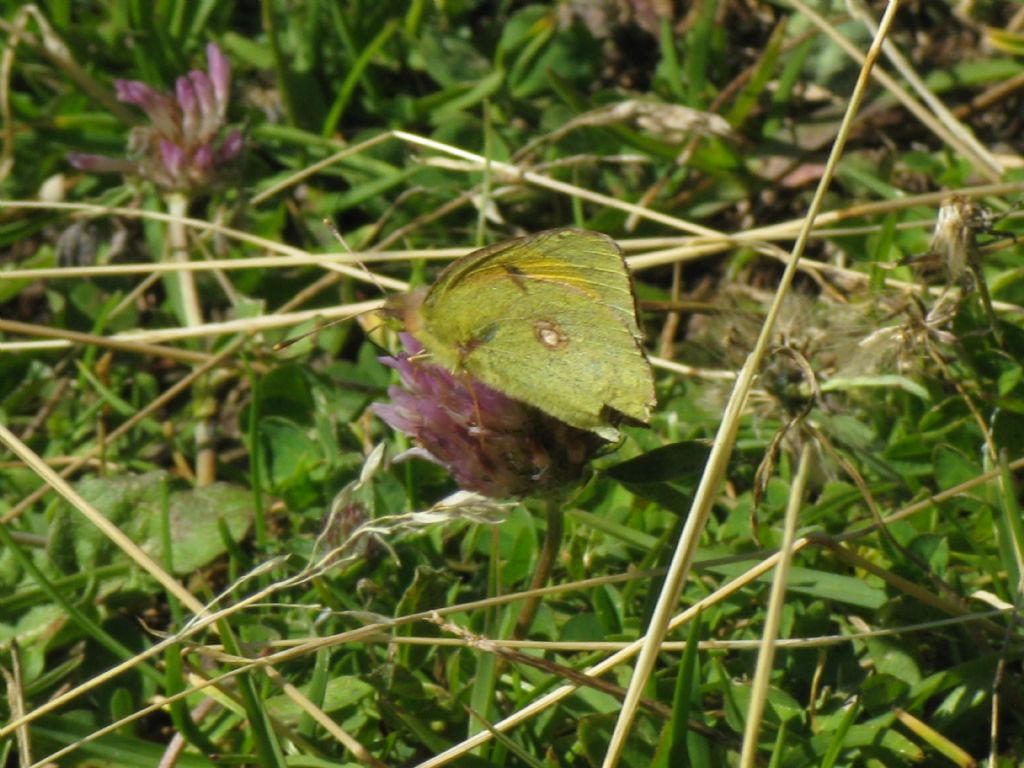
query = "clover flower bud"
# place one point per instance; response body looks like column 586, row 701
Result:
column 185, row 146
column 489, row 443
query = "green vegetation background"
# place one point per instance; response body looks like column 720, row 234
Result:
column 896, row 677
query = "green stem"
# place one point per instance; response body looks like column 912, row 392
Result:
column 202, row 395
column 545, row 564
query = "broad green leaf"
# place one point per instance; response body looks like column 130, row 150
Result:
column 133, row 503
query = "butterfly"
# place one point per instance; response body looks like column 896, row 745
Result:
column 548, row 319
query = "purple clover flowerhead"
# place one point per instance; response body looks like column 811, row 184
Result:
column 185, row 146
column 100, row 164
column 160, row 108
column 491, row 444
column 220, row 76
column 231, row 147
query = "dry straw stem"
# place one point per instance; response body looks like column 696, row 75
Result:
column 65, row 338
column 380, row 631
column 250, row 325
column 952, row 607
column 250, row 262
column 773, row 616
column 673, row 646
column 93, row 453
column 361, row 753
column 859, row 531
column 510, row 172
column 16, row 701
column 707, row 490
column 719, row 241
column 199, row 330
column 667, row 250
column 760, row 569
column 690, row 371
column 979, row 154
column 311, row 170
column 663, row 250
column 659, row 250
column 983, row 163
column 698, row 247
column 97, row 518
column 300, row 256
column 229, row 699
column 484, row 644
column 608, row 664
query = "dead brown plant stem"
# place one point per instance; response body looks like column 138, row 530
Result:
column 50, row 45
column 876, row 513
column 949, row 607
column 16, row 703
column 989, row 97
column 673, row 318
column 104, row 342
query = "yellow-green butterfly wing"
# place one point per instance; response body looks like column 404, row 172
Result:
column 588, row 261
column 548, row 319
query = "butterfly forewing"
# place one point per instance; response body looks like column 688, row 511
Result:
column 588, row 261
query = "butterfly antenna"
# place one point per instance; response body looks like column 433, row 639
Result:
column 337, row 236
column 281, row 345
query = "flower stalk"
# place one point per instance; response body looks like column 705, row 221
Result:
column 490, row 444
column 545, row 565
column 185, row 149
column 192, row 315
